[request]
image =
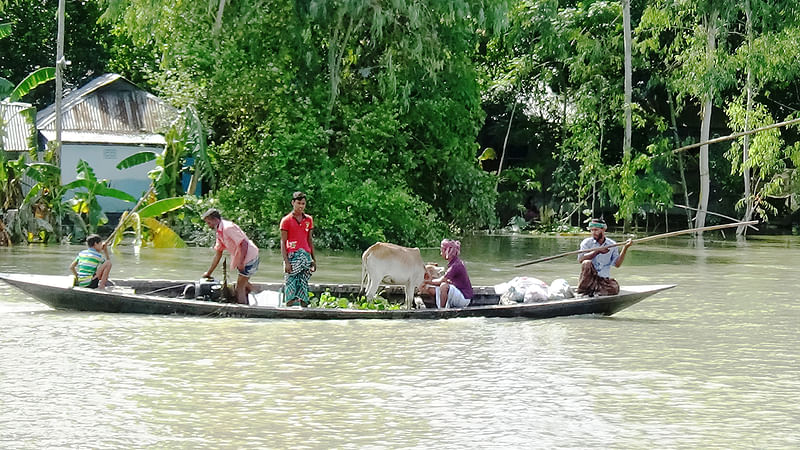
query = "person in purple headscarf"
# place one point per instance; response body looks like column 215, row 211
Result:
column 453, row 289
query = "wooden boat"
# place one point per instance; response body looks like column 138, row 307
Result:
column 164, row 297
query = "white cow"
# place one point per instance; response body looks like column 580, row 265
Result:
column 392, row 264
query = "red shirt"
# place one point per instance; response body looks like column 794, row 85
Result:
column 297, row 232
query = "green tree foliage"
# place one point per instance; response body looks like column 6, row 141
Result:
column 343, row 100
column 32, row 44
column 87, row 188
column 566, row 60
column 374, row 108
column 738, row 74
column 764, row 161
column 11, row 171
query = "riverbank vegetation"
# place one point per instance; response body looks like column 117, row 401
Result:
column 407, row 121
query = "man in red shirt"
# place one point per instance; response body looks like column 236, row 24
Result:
column 297, row 248
column 244, row 253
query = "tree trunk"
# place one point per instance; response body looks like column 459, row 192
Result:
column 505, row 143
column 218, row 21
column 674, row 120
column 60, row 63
column 705, row 127
column 626, row 146
column 748, row 213
column 336, row 49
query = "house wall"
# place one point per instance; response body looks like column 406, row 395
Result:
column 103, row 158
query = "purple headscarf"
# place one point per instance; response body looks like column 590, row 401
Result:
column 450, row 248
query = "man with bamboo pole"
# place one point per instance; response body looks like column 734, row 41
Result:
column 595, row 277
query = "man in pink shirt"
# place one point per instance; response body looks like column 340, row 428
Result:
column 244, row 254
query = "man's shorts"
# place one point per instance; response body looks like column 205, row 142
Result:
column 455, row 299
column 250, row 268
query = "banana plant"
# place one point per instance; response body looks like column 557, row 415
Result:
column 34, row 79
column 185, row 138
column 44, row 203
column 85, row 202
column 11, row 170
column 158, row 233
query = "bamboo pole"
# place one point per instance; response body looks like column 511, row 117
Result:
column 712, row 213
column 736, row 135
column 644, row 239
column 122, row 219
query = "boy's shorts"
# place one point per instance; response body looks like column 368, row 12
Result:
column 250, row 268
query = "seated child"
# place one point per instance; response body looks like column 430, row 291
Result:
column 91, row 268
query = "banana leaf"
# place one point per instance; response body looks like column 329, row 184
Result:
column 32, row 194
column 488, row 153
column 5, row 29
column 36, row 78
column 92, row 185
column 5, row 88
column 161, row 206
column 163, row 236
column 40, row 170
column 128, row 220
column 85, row 170
column 136, row 159
column 79, row 183
column 96, row 215
column 115, row 193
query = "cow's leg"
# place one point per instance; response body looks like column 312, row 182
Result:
column 409, row 295
column 372, row 286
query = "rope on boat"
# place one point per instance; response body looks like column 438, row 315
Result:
column 164, row 289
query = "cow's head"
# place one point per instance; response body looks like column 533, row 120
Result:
column 433, row 271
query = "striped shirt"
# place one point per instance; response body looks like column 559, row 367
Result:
column 88, row 261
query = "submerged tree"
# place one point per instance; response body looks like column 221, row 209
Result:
column 765, row 162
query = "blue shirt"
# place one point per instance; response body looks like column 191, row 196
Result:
column 603, row 261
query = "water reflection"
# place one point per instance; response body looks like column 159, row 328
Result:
column 711, row 363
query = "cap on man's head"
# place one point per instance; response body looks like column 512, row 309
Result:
column 597, row 223
column 298, row 196
column 212, row 212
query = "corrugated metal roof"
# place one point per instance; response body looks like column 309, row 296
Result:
column 19, row 126
column 110, row 104
column 89, row 137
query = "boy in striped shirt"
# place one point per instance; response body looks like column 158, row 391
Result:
column 91, row 268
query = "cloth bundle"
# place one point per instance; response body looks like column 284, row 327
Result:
column 532, row 290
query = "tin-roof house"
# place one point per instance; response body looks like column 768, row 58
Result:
column 18, row 133
column 17, row 128
column 104, row 122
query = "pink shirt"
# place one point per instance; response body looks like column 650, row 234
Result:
column 230, row 237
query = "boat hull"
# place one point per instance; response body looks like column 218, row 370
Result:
column 56, row 293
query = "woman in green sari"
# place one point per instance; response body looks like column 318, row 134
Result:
column 297, row 248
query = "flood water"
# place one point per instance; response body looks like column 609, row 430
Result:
column 712, row 363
